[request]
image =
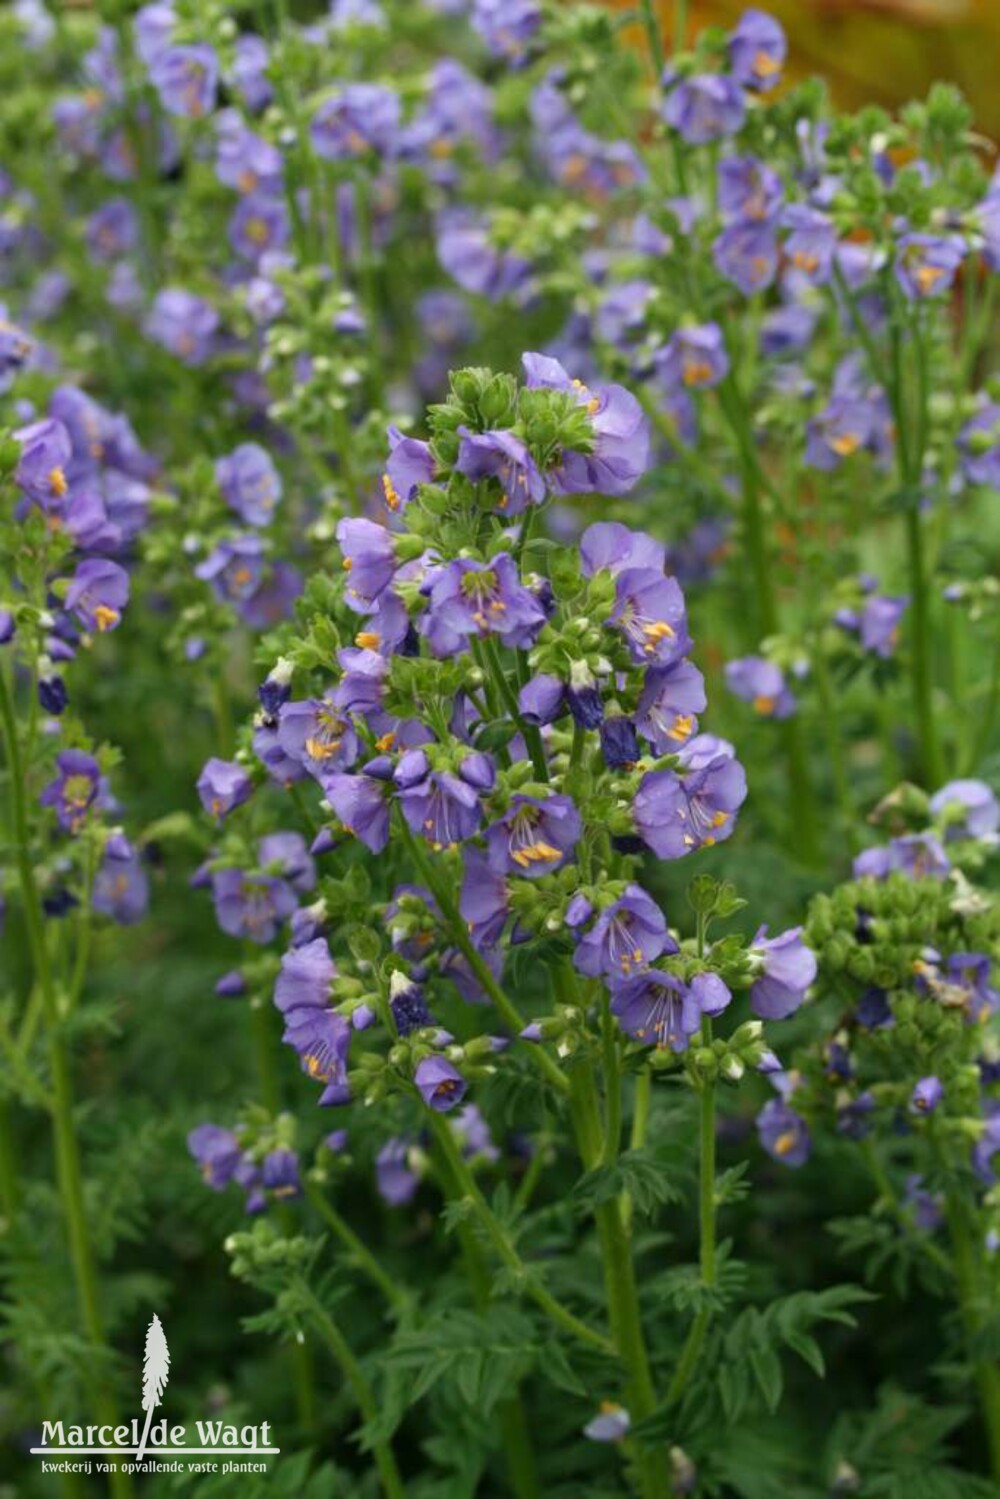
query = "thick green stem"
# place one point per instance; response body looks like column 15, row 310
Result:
column 529, row 732
column 838, row 766
column 68, row 1169
column 357, row 1250
column 364, row 1395
column 497, row 1234
column 519, row 1452
column 987, row 1374
column 624, row 1312
column 691, row 1352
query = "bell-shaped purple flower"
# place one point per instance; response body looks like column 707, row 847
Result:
column 250, row 483
column 534, row 837
column 676, row 814
column 650, row 615
column 762, row 684
column 971, row 807
column 251, row 905
column 481, row 599
column 75, row 789
column 358, row 119
column 440, row 1085
column 620, row 453
column 626, row 936
column 694, row 359
column 787, row 968
column 783, row 1133
column 186, row 79
column 704, row 107
column 757, row 50
column 661, row 1010
column 223, row 785
column 97, row 594
column 672, row 697
column 502, row 456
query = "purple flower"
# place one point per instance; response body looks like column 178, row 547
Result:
column 761, row 683
column 121, row 888
column 245, row 161
column 757, row 49
column 919, row 855
column 440, row 1085
column 811, row 243
column 977, row 809
column 620, row 454
column 506, row 26
column 321, row 1037
column 223, row 785
column 186, row 79
column 218, row 1153
column 661, row 1010
column 410, row 464
column 112, row 230
column 46, row 451
column 787, row 967
column 481, row 599
column 926, row 1095
column 626, row 935
column 362, row 802
column 358, row 119
column 979, row 446
column 677, row 814
column 534, row 837
column 280, row 1174
column 748, row 188
column 704, row 107
column 926, row 264
column 746, row 253
column 484, row 899
column 671, row 698
column 395, row 1178
column 184, row 324
column 318, row 736
column 608, row 546
column 248, row 74
column 369, row 559
column 251, row 905
column 250, row 483
column 286, row 854
column 408, row 1005
column 97, row 594
column 783, row 1133
column 695, row 358
column 502, row 456
column 467, row 252
column 74, row 790
column 649, row 613
column 235, row 569
column 441, row 806
column 258, row 226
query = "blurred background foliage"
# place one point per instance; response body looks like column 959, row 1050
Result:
column 875, row 51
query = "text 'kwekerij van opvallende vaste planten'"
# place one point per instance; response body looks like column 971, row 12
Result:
column 500, row 702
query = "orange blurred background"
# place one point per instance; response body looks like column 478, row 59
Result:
column 878, row 51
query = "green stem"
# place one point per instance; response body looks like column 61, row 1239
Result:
column 612, row 1082
column 986, row 1372
column 619, row 1277
column 529, row 732
column 460, row 936
column 357, row 1250
column 364, row 1395
column 652, row 24
column 519, row 1451
column 838, row 766
column 68, row 1168
column 466, row 1183
column 691, row 1352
